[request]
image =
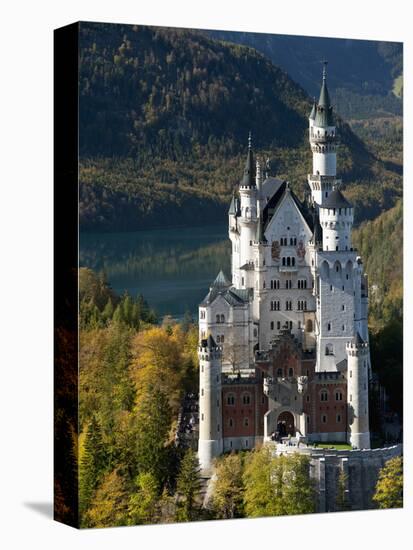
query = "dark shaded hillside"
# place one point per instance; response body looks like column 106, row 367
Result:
column 361, row 72
column 146, row 89
column 164, row 119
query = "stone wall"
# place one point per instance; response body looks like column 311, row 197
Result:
column 362, row 470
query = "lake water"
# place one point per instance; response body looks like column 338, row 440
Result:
column 172, row 268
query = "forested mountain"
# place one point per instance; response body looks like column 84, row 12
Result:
column 164, row 118
column 372, row 86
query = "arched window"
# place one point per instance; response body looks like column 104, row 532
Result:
column 283, row 261
column 324, row 418
column 324, row 395
column 246, row 399
column 218, row 339
column 309, row 325
column 288, row 261
column 293, row 262
column 329, row 349
column 217, row 318
column 222, row 318
column 230, row 399
column 279, row 373
column 339, row 396
column 230, row 422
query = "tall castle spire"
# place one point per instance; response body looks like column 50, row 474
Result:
column 248, row 179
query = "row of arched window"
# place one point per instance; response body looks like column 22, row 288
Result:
column 275, row 305
column 308, row 325
column 324, row 395
column 245, row 399
column 220, row 318
column 245, row 422
column 220, row 339
column 284, row 241
column 288, row 261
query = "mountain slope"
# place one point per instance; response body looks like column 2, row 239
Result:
column 164, row 120
column 375, row 67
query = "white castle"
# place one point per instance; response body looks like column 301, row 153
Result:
column 284, row 344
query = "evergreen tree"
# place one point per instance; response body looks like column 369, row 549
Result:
column 153, row 422
column 108, row 310
column 92, row 465
column 389, row 487
column 188, row 487
column 118, row 314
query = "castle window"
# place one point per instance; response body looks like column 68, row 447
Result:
column 291, row 325
column 343, row 327
column 217, row 318
column 337, row 269
column 218, row 339
column 255, row 332
column 299, row 324
column 278, row 325
column 351, row 397
column 308, row 398
column 231, row 423
column 339, row 396
column 293, row 262
column 288, row 261
column 202, row 391
column 222, row 338
column 246, row 399
column 283, row 261
column 246, row 422
column 279, row 373
column 328, row 326
column 230, row 444
column 351, row 374
column 290, row 372
column 272, row 325
column 202, row 416
column 218, row 428
column 230, row 399
column 246, row 442
column 324, row 418
column 324, row 395
column 242, row 281
column 263, row 284
column 202, row 368
column 329, row 349
column 202, row 314
column 338, row 418
column 288, row 283
column 343, row 308
column 302, row 283
column 309, row 325
column 288, row 305
column 222, row 319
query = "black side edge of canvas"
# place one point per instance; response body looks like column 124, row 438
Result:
column 66, row 274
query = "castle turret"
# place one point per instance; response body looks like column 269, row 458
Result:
column 210, row 406
column 336, row 219
column 248, row 200
column 357, row 392
column 323, row 142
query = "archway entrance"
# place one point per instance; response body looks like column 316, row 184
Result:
column 285, row 424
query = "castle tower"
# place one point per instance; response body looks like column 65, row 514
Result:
column 210, row 406
column 248, row 200
column 323, row 142
column 357, row 392
column 336, row 219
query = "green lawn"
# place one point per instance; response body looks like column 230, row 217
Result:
column 337, row 446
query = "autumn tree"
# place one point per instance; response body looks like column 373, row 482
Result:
column 109, row 507
column 342, row 503
column 277, row 485
column 389, row 487
column 143, row 504
column 227, row 496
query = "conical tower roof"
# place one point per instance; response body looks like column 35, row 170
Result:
column 324, row 111
column 221, row 281
column 248, row 179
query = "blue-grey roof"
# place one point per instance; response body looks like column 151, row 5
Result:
column 336, row 199
column 313, row 111
column 248, row 179
column 232, row 207
column 221, row 281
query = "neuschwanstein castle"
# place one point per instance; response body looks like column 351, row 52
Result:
column 284, row 344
